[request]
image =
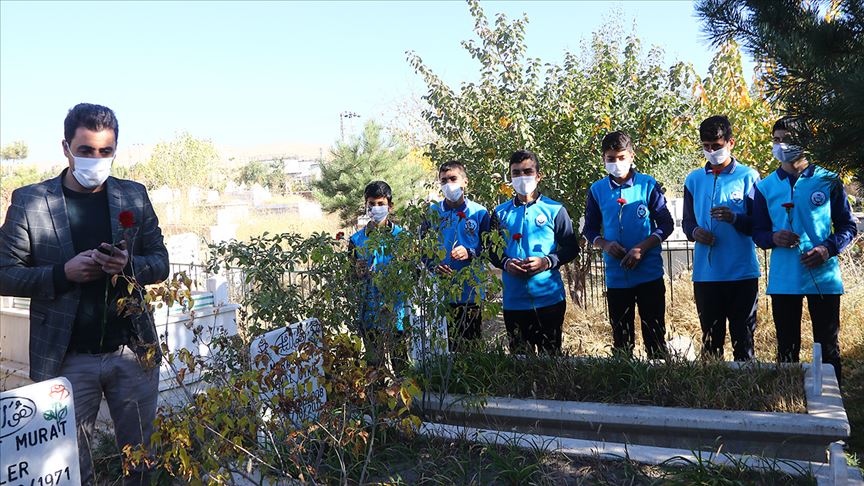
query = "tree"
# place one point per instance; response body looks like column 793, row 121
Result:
column 14, row 151
column 182, row 163
column 562, row 113
column 812, row 58
column 724, row 92
column 255, row 172
column 368, row 157
column 16, row 176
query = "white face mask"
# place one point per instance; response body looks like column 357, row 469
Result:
column 786, row 153
column 718, row 156
column 91, row 172
column 619, row 169
column 524, row 185
column 452, row 191
column 378, row 213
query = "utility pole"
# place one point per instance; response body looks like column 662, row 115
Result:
column 342, row 117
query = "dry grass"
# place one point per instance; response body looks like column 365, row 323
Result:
column 180, row 218
column 277, row 223
column 620, row 380
column 587, row 331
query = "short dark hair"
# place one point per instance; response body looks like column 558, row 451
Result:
column 715, row 127
column 616, row 141
column 797, row 127
column 92, row 117
column 453, row 165
column 520, row 156
column 378, row 189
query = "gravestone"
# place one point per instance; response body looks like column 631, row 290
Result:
column 38, row 439
column 299, row 381
column 428, row 335
column 184, row 248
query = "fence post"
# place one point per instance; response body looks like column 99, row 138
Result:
column 669, row 267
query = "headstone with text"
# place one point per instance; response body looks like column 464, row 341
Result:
column 300, row 380
column 38, row 439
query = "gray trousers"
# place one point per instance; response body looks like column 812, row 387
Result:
column 131, row 393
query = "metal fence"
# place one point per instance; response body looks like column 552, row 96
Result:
column 236, row 279
column 677, row 259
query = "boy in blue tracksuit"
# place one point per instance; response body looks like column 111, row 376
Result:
column 801, row 212
column 462, row 224
column 629, row 209
column 381, row 326
column 539, row 239
column 718, row 206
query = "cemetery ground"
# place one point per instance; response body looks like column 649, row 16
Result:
column 435, row 461
column 418, row 459
column 199, row 218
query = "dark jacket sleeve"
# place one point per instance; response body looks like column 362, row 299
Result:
column 18, row 276
column 844, row 222
column 744, row 222
column 485, row 225
column 593, row 219
column 150, row 264
column 763, row 229
column 495, row 225
column 688, row 219
column 660, row 214
column 566, row 241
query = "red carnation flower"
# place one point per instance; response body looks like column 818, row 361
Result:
column 461, row 215
column 622, row 201
column 788, row 205
column 340, row 235
column 517, row 236
column 127, row 219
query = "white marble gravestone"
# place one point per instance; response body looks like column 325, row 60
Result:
column 38, row 439
column 298, row 381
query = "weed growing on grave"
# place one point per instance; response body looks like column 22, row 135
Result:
column 619, row 379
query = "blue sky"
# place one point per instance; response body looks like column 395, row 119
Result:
column 247, row 73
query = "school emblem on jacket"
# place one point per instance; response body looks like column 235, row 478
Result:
column 470, row 226
column 541, row 220
column 641, row 211
column 818, row 198
column 736, row 196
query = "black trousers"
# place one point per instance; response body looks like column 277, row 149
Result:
column 465, row 321
column 651, row 299
column 825, row 314
column 535, row 330
column 735, row 301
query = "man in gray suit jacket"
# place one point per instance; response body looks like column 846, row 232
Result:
column 60, row 245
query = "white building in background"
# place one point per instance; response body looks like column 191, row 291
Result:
column 298, row 170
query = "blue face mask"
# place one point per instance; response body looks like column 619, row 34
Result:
column 787, row 153
column 378, row 213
